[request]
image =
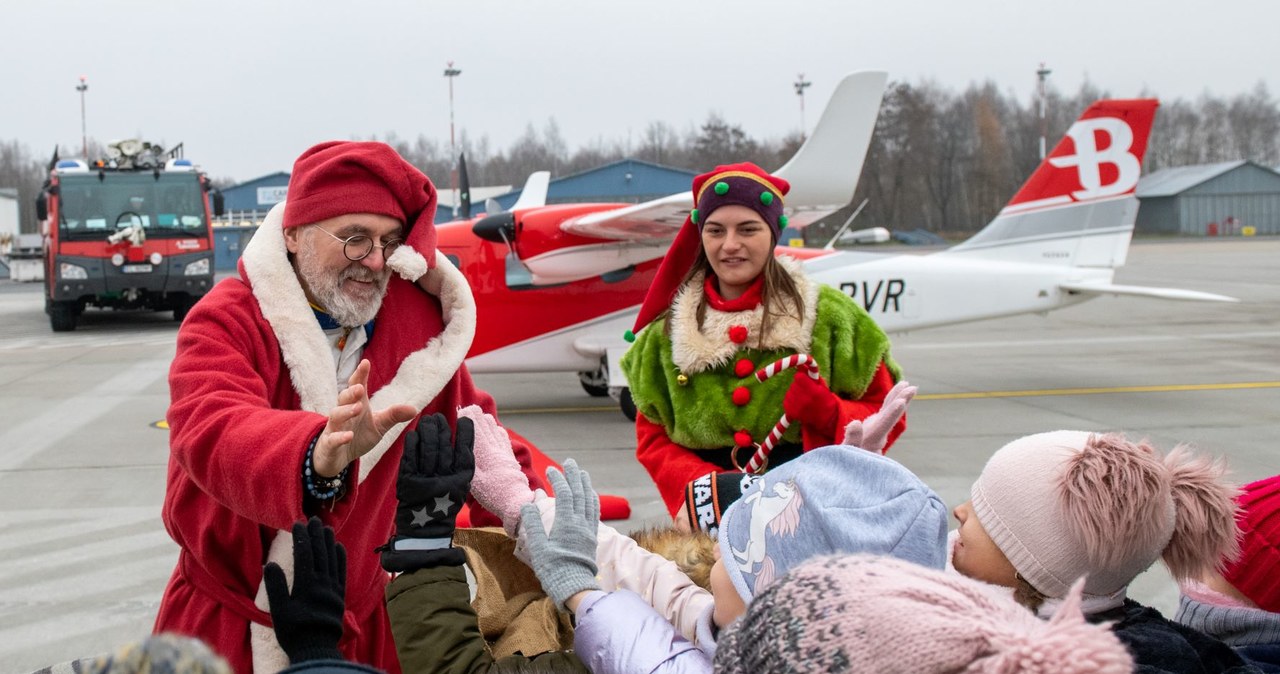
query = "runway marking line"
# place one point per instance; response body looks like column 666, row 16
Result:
column 971, row 395
column 1165, row 388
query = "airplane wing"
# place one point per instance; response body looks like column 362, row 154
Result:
column 823, row 173
column 1144, row 291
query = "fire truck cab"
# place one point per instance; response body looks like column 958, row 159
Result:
column 129, row 232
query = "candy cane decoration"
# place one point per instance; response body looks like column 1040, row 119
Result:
column 803, row 362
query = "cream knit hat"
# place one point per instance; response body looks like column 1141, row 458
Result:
column 1070, row 504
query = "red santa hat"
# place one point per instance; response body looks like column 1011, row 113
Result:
column 340, row 177
column 743, row 184
column 1256, row 573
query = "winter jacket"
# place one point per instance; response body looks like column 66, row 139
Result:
column 685, row 379
column 1253, row 632
column 436, row 631
column 624, row 565
column 251, row 385
column 1159, row 645
column 619, row 633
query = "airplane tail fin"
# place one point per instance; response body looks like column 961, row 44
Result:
column 1078, row 208
column 464, row 188
column 825, row 170
column 534, row 193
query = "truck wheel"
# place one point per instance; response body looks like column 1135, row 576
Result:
column 182, row 306
column 63, row 315
column 627, row 404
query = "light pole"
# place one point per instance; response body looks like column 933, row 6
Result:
column 84, row 135
column 450, row 72
column 1042, row 74
column 801, row 84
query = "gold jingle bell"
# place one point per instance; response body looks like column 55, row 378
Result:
column 682, row 379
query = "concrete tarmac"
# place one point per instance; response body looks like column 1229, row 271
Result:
column 84, row 557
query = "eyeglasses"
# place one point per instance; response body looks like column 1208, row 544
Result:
column 358, row 247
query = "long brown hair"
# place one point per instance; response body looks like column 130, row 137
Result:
column 777, row 284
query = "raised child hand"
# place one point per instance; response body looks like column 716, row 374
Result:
column 435, row 476
column 499, row 483
column 565, row 559
column 308, row 619
column 872, row 433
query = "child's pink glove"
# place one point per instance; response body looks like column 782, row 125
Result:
column 499, row 484
column 872, row 433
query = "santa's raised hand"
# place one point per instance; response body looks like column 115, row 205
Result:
column 354, row 426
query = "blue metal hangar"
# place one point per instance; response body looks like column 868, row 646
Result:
column 1227, row 199
column 630, row 181
column 250, row 200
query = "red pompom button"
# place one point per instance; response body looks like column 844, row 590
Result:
column 741, row 396
column 742, row 439
column 738, row 334
column 744, row 368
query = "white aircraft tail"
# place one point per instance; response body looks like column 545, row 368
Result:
column 825, row 169
column 1078, row 208
column 534, row 193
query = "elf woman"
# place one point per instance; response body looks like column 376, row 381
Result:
column 722, row 307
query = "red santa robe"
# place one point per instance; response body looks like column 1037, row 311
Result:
column 251, row 385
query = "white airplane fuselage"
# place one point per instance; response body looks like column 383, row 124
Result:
column 901, row 292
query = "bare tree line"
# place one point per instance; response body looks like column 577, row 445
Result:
column 940, row 159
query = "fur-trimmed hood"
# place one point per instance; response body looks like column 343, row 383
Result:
column 695, row 349
column 420, row 377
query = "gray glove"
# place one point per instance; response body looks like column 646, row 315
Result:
column 565, row 559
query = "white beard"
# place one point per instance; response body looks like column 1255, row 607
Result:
column 349, row 309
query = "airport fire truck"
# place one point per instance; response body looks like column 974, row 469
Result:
column 131, row 231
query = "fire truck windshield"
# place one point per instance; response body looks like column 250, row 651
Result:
column 91, row 207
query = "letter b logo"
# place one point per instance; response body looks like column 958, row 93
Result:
column 1088, row 159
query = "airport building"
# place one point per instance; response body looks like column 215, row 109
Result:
column 248, row 202
column 630, row 181
column 1238, row 198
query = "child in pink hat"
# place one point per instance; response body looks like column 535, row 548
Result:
column 1052, row 508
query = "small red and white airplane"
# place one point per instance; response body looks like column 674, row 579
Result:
column 557, row 286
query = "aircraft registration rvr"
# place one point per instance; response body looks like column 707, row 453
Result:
column 558, row 286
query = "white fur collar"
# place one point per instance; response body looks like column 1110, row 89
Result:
column 420, row 378
column 696, row 350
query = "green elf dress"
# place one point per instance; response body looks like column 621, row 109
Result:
column 696, row 392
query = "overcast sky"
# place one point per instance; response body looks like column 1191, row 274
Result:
column 249, row 84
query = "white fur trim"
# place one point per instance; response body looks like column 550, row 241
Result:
column 284, row 304
column 408, row 263
column 419, row 379
column 268, row 656
column 696, row 350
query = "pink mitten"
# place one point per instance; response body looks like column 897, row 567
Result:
column 499, row 484
column 872, row 433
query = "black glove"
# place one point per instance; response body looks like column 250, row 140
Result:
column 308, row 621
column 435, row 477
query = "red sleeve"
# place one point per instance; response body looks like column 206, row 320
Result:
column 225, row 433
column 861, row 408
column 670, row 465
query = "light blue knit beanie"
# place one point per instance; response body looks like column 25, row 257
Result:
column 831, row 500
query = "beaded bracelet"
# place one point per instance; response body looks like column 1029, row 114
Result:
column 320, row 487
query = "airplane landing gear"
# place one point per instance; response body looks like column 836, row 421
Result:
column 627, row 404
column 596, row 383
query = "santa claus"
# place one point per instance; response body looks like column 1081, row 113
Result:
column 292, row 387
